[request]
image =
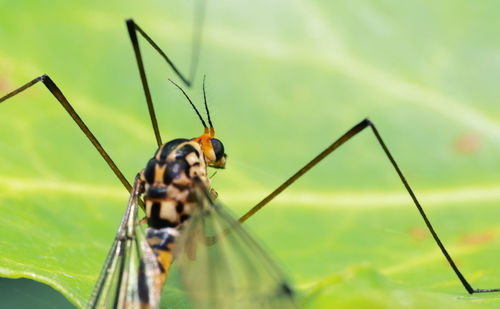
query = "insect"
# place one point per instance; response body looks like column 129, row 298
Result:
column 184, row 222
column 202, row 195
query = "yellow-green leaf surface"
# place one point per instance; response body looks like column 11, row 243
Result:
column 285, row 78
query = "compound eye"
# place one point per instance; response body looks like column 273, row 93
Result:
column 218, row 148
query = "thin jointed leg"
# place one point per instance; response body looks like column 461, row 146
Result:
column 45, row 79
column 133, row 29
column 344, row 138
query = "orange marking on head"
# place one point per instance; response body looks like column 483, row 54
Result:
column 206, row 144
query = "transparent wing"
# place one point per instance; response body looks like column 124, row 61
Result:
column 222, row 266
column 129, row 274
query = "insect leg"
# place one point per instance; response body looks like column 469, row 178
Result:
column 344, row 138
column 133, row 29
column 352, row 132
column 47, row 81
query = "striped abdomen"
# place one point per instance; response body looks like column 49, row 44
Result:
column 168, row 194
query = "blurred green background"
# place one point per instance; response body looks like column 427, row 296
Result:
column 285, row 78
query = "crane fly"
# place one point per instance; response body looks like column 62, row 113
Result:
column 220, row 264
column 185, row 224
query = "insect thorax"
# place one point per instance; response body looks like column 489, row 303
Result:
column 168, row 182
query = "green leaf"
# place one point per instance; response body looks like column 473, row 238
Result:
column 26, row 293
column 285, row 79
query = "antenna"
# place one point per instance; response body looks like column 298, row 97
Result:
column 206, row 106
column 197, row 113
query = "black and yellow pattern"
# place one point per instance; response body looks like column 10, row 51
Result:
column 221, row 266
column 167, row 183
